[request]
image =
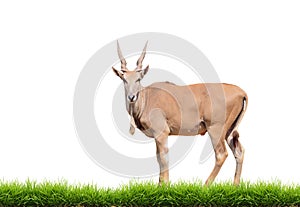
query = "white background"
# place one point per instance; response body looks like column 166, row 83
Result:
column 45, row 45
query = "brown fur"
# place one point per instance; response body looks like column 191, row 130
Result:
column 164, row 109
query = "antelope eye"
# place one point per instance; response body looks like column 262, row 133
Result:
column 138, row 80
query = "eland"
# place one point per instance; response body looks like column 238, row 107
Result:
column 163, row 108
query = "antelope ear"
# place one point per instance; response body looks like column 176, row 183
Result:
column 145, row 71
column 118, row 73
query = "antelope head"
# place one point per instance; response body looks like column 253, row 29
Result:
column 131, row 78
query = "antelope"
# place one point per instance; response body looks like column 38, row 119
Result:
column 164, row 108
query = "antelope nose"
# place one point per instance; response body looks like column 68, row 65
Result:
column 131, row 98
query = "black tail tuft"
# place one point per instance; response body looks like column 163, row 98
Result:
column 236, row 120
column 235, row 137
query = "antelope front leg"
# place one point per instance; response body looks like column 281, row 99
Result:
column 162, row 157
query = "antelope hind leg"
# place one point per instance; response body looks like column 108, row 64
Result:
column 238, row 152
column 218, row 142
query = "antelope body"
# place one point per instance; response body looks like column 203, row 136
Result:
column 164, row 109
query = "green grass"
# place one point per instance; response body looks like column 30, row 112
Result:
column 148, row 194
